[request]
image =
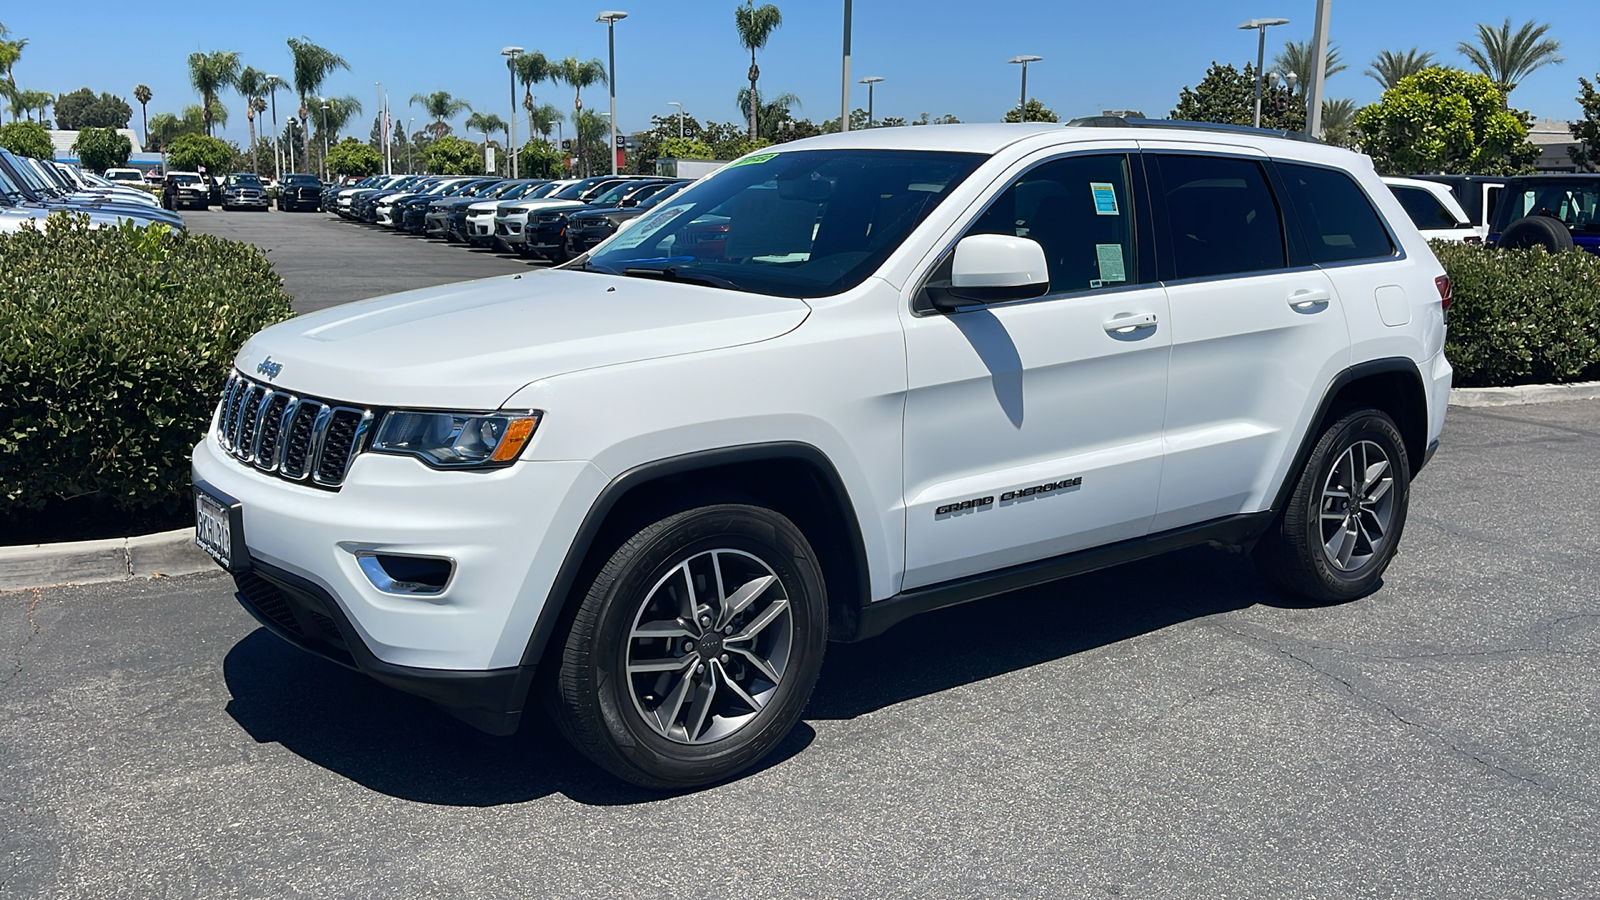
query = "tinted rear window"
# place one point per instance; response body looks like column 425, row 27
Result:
column 1424, row 208
column 1337, row 218
column 1224, row 219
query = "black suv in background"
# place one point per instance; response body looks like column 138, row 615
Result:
column 300, row 191
column 587, row 228
column 547, row 229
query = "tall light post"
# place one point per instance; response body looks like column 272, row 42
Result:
column 611, row 17
column 324, row 142
column 511, row 54
column 844, row 104
column 1022, row 107
column 383, row 130
column 680, row 117
column 292, row 122
column 1260, row 26
column 870, row 81
column 1319, row 70
column 277, row 149
column 411, row 167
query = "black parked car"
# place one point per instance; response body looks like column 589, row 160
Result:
column 447, row 218
column 411, row 215
column 586, row 228
column 299, row 191
column 547, row 230
column 244, row 190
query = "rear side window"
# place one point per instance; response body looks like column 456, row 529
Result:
column 1223, row 217
column 1335, row 214
column 1424, row 208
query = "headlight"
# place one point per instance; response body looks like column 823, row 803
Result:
column 457, row 440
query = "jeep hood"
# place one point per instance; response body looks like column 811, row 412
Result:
column 472, row 345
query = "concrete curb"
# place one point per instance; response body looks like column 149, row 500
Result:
column 1526, row 393
column 92, row 562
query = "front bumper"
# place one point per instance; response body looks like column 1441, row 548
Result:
column 259, row 202
column 507, row 531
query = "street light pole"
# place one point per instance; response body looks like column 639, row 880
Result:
column 1260, row 26
column 277, row 149
column 870, row 81
column 1022, row 106
column 844, row 104
column 292, row 121
column 511, row 54
column 680, row 117
column 610, row 17
column 1319, row 70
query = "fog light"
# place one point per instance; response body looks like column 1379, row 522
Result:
column 412, row 575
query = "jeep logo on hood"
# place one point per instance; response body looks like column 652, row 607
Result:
column 269, row 368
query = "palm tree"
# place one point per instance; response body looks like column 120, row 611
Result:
column 271, row 85
column 1389, row 66
column 1508, row 58
column 250, row 84
column 579, row 75
column 142, row 94
column 442, row 107
column 532, row 68
column 1299, row 58
column 587, row 126
column 1338, row 119
column 197, row 115
column 486, row 122
column 10, row 52
column 312, row 66
column 160, row 130
column 771, row 113
column 755, row 24
column 209, row 73
column 45, row 100
column 542, row 120
column 338, row 114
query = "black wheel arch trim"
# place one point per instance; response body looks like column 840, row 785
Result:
column 561, row 595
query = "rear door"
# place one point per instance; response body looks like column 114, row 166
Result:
column 1256, row 330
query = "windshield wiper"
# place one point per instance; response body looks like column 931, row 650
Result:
column 672, row 273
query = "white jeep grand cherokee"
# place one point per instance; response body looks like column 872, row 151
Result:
column 836, row 384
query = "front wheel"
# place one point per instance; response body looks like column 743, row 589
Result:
column 696, row 648
column 1342, row 524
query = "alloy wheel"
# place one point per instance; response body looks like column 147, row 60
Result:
column 1357, row 506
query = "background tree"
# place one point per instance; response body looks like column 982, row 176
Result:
column 579, row 75
column 1389, row 66
column 771, row 115
column 83, row 109
column 209, row 73
column 142, row 94
column 1037, row 112
column 24, row 103
column 164, row 127
column 588, row 127
column 489, row 122
column 1586, row 131
column 532, row 68
column 685, row 148
column 312, row 66
column 541, row 160
column 450, row 155
column 442, row 107
column 27, row 139
column 353, row 157
column 542, row 120
column 195, row 116
column 10, row 53
column 1508, row 58
column 190, row 152
column 251, row 85
column 102, row 148
column 340, row 111
column 755, row 25
column 1339, row 122
column 1227, row 96
column 1297, row 57
column 1445, row 121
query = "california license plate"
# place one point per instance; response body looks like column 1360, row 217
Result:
column 217, row 527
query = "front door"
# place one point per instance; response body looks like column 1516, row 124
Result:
column 1033, row 428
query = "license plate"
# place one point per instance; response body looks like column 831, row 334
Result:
column 218, row 528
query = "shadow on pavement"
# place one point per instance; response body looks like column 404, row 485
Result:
column 401, row 746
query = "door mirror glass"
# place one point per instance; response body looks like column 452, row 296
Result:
column 992, row 268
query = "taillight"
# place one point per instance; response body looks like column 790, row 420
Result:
column 1445, row 294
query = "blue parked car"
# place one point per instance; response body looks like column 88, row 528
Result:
column 1556, row 212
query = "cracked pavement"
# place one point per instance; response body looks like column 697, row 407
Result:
column 1168, row 728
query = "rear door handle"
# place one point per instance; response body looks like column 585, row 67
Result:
column 1129, row 323
column 1309, row 301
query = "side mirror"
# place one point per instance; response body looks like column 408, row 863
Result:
column 994, row 268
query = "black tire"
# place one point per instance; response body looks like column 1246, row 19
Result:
column 600, row 708
column 1537, row 231
column 1295, row 552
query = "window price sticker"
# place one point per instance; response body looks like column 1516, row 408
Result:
column 1105, row 198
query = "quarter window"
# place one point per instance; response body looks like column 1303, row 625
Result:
column 1425, row 209
column 1223, row 217
column 1335, row 214
column 1080, row 210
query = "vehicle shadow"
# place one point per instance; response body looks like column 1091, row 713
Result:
column 404, row 747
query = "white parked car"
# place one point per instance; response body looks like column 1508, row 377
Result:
column 840, row 382
column 125, row 176
column 1434, row 210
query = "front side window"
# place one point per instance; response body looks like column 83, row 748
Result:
column 803, row 223
column 1335, row 215
column 1425, row 209
column 1223, row 217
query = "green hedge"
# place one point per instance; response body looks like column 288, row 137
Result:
column 114, row 344
column 1522, row 316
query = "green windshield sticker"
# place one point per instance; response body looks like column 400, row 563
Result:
column 752, row 160
column 1105, row 198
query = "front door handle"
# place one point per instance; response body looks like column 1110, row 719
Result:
column 1309, row 301
column 1124, row 324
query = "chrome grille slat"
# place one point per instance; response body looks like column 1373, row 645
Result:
column 300, row 439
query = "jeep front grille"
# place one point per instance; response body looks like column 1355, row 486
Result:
column 297, row 438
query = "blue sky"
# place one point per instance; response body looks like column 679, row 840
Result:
column 937, row 56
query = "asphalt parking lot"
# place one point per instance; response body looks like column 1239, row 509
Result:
column 1163, row 729
column 325, row 260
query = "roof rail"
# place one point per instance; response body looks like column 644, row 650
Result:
column 1121, row 122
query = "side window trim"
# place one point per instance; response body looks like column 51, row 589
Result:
column 1143, row 233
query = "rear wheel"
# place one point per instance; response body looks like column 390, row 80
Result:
column 1342, row 524
column 696, row 648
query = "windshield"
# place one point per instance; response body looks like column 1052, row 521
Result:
column 655, row 199
column 301, row 181
column 573, row 191
column 246, row 180
column 614, row 196
column 48, row 177
column 1574, row 203
column 185, row 179
column 807, row 223
column 509, row 190
column 9, row 189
